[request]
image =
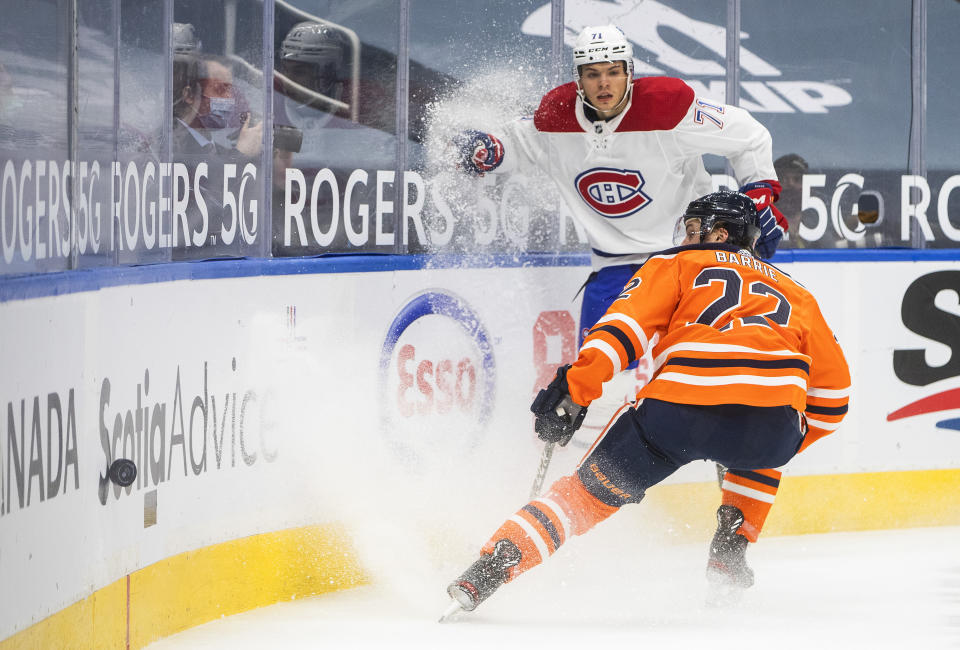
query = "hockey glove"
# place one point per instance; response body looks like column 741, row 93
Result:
column 478, row 152
column 772, row 222
column 558, row 416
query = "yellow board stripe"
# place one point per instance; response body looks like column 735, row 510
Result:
column 98, row 621
column 822, row 503
column 198, row 586
column 192, row 588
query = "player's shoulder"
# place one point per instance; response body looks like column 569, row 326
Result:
column 739, row 259
column 666, row 255
column 690, row 252
column 557, row 110
column 658, row 104
column 712, row 254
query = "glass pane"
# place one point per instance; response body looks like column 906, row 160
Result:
column 139, row 229
column 34, row 141
column 498, row 55
column 217, row 129
column 832, row 84
column 97, row 131
column 943, row 137
column 335, row 144
column 477, row 66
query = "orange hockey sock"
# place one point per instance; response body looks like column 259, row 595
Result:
column 540, row 527
column 753, row 491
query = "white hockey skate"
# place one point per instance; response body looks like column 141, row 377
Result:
column 484, row 577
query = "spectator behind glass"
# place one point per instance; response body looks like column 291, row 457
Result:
column 224, row 112
column 312, row 90
column 313, row 56
column 308, row 90
column 212, row 125
column 790, row 170
column 185, row 41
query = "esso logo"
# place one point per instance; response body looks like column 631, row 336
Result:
column 614, row 193
column 435, row 379
column 437, row 370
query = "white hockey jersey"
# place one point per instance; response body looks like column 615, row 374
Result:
column 628, row 180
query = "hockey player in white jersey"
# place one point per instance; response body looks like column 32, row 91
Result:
column 626, row 156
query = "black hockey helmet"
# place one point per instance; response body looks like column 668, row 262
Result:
column 184, row 39
column 314, row 54
column 734, row 211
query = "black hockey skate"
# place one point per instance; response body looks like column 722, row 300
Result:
column 484, row 577
column 727, row 570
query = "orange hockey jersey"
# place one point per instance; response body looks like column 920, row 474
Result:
column 725, row 328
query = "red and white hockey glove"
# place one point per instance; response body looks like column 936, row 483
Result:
column 773, row 224
column 479, row 152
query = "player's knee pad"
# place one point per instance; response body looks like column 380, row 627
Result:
column 603, row 485
column 582, row 508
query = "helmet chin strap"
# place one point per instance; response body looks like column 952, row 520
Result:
column 622, row 102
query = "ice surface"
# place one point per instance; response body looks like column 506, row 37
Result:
column 875, row 589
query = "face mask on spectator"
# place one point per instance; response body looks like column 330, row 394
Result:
column 223, row 114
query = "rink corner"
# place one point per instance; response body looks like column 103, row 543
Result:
column 192, row 588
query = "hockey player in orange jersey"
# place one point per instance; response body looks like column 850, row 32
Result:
column 626, row 156
column 746, row 373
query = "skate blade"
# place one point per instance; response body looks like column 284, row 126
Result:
column 721, row 594
column 452, row 613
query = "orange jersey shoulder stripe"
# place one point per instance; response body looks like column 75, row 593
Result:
column 724, row 327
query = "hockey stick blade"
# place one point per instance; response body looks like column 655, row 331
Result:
column 545, row 457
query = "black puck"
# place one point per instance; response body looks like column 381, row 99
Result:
column 123, row 472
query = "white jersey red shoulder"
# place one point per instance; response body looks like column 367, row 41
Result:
column 658, row 103
column 628, row 179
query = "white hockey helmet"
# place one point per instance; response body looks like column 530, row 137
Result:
column 599, row 44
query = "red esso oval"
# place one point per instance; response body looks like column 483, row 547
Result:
column 435, row 373
column 426, row 386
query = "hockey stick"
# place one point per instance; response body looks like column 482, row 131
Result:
column 545, row 457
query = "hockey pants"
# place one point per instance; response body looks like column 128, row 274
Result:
column 641, row 447
column 753, row 492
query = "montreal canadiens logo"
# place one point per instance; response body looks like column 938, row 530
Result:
column 614, row 193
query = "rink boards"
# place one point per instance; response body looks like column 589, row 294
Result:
column 270, row 407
